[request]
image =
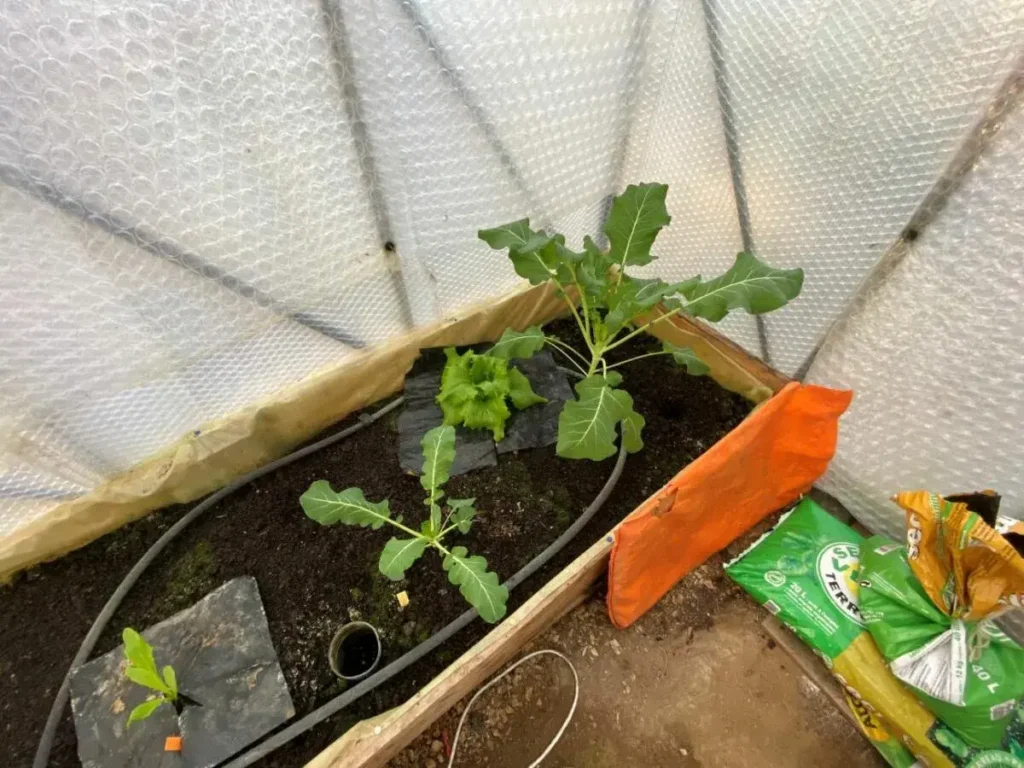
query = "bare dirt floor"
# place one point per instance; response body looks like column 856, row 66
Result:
column 695, row 682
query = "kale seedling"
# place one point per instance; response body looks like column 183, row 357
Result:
column 474, row 389
column 479, row 586
column 604, row 300
column 142, row 671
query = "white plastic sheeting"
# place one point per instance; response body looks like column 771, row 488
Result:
column 202, row 202
column 934, row 355
column 843, row 115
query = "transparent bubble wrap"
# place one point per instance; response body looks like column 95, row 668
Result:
column 204, row 202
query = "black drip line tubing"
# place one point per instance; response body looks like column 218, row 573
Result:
column 335, row 705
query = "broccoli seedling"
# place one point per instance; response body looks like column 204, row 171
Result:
column 480, row 587
column 142, row 671
column 604, row 300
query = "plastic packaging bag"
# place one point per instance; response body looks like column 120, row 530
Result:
column 806, row 571
column 929, row 607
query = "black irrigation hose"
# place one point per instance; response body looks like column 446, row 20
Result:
column 344, row 699
column 86, row 648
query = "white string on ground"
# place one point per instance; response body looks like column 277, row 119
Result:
column 565, row 723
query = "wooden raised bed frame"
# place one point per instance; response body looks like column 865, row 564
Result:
column 372, row 743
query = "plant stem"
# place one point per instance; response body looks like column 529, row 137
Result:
column 445, row 531
column 398, row 525
column 558, row 342
column 576, row 365
column 564, row 348
column 446, row 519
column 579, row 322
column 644, row 327
column 583, row 301
column 638, row 357
column 440, row 547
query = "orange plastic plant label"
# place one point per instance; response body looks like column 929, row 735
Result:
column 172, row 744
column 769, row 460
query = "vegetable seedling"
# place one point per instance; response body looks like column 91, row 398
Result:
column 604, row 300
column 480, row 587
column 142, row 671
column 474, row 389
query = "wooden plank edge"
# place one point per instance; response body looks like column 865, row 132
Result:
column 810, row 665
column 371, row 743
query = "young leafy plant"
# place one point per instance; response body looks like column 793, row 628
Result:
column 469, row 573
column 604, row 300
column 142, row 671
column 474, row 389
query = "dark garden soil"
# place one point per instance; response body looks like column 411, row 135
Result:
column 312, row 578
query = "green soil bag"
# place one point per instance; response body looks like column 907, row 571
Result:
column 805, row 572
column 969, row 673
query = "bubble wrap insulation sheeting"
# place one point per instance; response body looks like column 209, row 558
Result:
column 483, row 112
column 185, row 231
column 934, row 356
column 844, row 114
column 196, row 196
column 677, row 137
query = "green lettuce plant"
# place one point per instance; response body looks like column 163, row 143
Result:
column 142, row 671
column 604, row 300
column 474, row 390
column 469, row 573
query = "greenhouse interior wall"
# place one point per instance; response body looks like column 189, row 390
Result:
column 205, row 202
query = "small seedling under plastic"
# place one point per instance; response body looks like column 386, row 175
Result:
column 469, row 573
column 604, row 301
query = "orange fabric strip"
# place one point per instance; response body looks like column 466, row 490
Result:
column 769, row 460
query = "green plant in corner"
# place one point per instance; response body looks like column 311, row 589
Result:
column 604, row 300
column 142, row 671
column 474, row 389
column 469, row 573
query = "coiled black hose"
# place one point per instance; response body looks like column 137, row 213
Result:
column 344, row 699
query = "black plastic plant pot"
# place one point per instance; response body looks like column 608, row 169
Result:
column 355, row 651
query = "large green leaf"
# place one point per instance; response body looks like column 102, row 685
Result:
column 586, row 426
column 516, row 345
column 636, row 217
column 633, row 296
column 148, row 678
column 520, row 391
column 686, row 358
column 749, row 284
column 463, row 512
column 592, row 271
column 479, row 586
column 398, row 555
column 145, row 709
column 534, row 255
column 328, row 507
column 632, row 425
column 538, row 264
column 138, row 652
column 438, row 456
column 515, row 234
column 171, row 680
